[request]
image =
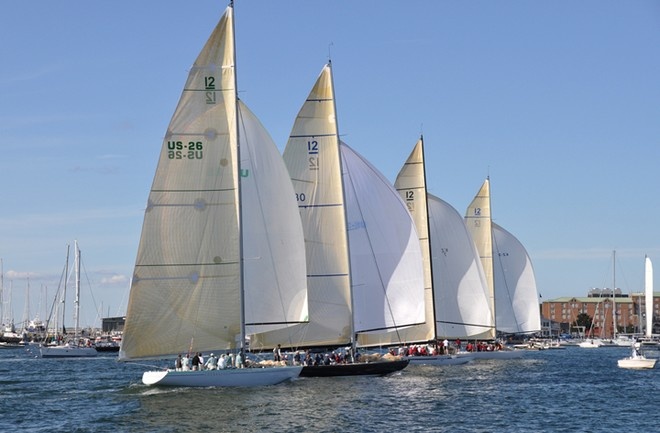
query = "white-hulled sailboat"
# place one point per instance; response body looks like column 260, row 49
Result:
column 72, row 348
column 637, row 360
column 456, row 303
column 221, row 254
column 356, row 280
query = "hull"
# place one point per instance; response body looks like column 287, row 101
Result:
column 67, row 352
column 5, row 345
column 440, row 359
column 240, row 377
column 498, row 354
column 380, row 368
column 636, row 363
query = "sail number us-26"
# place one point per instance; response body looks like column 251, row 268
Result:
column 182, row 150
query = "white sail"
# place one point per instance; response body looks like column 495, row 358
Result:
column 478, row 222
column 516, row 295
column 204, row 234
column 648, row 295
column 461, row 295
column 312, row 157
column 386, row 259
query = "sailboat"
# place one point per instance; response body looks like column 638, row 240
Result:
column 363, row 258
column 75, row 347
column 509, row 273
column 221, row 255
column 456, row 303
column 637, row 360
column 9, row 338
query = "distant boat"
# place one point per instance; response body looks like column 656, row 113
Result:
column 590, row 343
column 636, row 360
column 221, row 255
column 364, row 260
column 76, row 347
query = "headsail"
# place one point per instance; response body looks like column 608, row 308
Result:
column 462, row 301
column 386, row 258
column 516, row 296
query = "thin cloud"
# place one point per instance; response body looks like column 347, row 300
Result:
column 115, row 280
column 71, row 217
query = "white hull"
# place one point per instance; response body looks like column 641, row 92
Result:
column 67, row 351
column 240, row 377
column 498, row 354
column 636, row 363
column 440, row 359
column 591, row 344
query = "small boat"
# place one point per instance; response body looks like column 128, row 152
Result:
column 591, row 343
column 636, row 360
column 68, row 350
column 9, row 345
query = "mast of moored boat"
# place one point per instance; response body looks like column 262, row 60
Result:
column 648, row 296
column 76, row 303
column 613, row 294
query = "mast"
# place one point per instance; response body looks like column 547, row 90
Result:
column 63, row 298
column 343, row 199
column 76, row 303
column 613, row 294
column 430, row 244
column 238, row 184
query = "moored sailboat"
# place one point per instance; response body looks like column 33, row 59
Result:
column 221, row 255
column 74, row 347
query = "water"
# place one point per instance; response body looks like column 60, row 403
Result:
column 571, row 390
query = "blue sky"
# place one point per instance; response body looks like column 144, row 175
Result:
column 558, row 102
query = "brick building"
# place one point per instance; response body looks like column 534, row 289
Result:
column 630, row 311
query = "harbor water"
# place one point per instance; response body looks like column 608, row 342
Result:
column 570, row 390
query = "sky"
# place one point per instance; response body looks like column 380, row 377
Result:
column 557, row 102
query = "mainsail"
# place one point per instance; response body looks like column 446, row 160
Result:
column 312, row 157
column 222, row 247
